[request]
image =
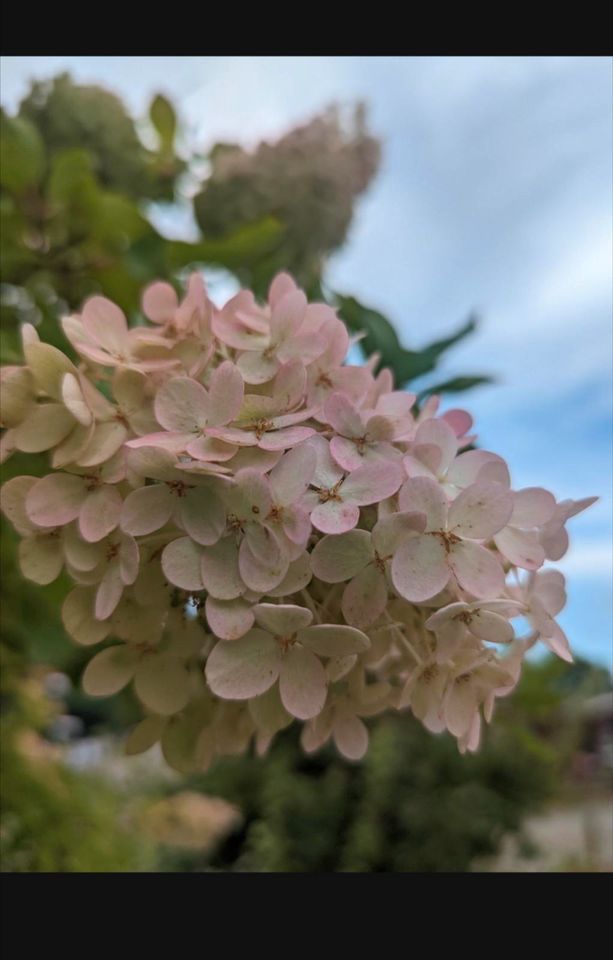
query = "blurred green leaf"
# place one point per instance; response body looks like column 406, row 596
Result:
column 455, row 385
column 22, row 159
column 380, row 337
column 244, row 246
column 164, row 119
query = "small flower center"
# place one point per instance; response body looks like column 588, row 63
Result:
column 331, row 493
column 323, row 380
column 178, row 488
column 112, row 551
column 447, row 539
column 261, row 426
column 286, row 642
column 235, row 524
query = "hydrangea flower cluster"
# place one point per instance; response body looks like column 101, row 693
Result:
column 267, row 534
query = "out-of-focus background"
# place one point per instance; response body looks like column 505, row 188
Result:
column 416, row 194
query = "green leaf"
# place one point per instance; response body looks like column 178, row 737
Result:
column 245, row 246
column 381, row 338
column 456, row 385
column 22, row 158
column 164, row 119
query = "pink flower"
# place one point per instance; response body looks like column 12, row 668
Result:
column 285, row 647
column 424, row 564
column 364, row 558
column 335, row 500
column 361, row 438
column 519, row 542
column 101, row 334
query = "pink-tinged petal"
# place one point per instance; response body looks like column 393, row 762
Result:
column 459, row 420
column 282, row 619
column 460, row 706
column 109, row 593
column 56, row 499
column 242, row 438
column 296, row 525
column 210, row 449
column 147, row 509
column 343, row 416
column 333, row 640
column 427, row 454
column 104, row 443
column 170, row 442
column 365, row 597
column 423, row 495
column 244, row 668
column 74, row 401
column 550, row 588
column 220, row 571
column 334, row 516
column 389, row 532
column 476, row 569
column 264, row 572
column 255, row 458
column 298, row 576
column 181, row 563
column 346, row 453
column 281, row 285
column 41, row 558
column 181, row 404
column 48, row 366
column 229, row 619
column 303, row 684
column 249, row 498
column 303, row 346
column 73, row 446
column 162, row 683
column 466, row 468
column 372, row 483
column 202, row 515
column 237, row 335
column 100, row 513
column 351, row 737
column 286, row 438
column 557, row 641
column 104, row 322
column 338, row 558
column 80, row 554
column 480, row 511
column 78, row 617
column 159, row 302
column 255, row 367
column 287, row 315
column 43, row 428
column 555, row 543
column 226, row 391
column 289, row 386
column 521, row 547
column 491, row 627
column 416, row 467
column 129, row 558
column 152, row 462
column 495, row 471
column 327, row 471
column 440, row 434
column 109, row 671
column 96, row 354
column 13, row 503
column 292, row 475
column 17, row 395
column 532, row 507
column 419, row 568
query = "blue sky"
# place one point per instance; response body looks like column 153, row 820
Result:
column 495, row 193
